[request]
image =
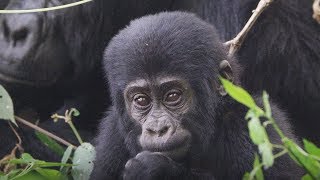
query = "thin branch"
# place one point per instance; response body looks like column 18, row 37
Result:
column 17, row 135
column 236, row 42
column 44, row 9
column 37, row 128
column 316, row 10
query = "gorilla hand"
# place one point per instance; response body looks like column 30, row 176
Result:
column 151, row 165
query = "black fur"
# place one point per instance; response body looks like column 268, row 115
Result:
column 179, row 44
column 64, row 65
column 280, row 55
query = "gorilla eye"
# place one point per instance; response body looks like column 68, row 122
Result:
column 142, row 100
column 173, row 97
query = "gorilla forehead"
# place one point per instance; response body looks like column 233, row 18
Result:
column 164, row 44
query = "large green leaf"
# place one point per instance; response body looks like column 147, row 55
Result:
column 311, row 165
column 42, row 174
column 311, row 148
column 239, row 94
column 6, row 106
column 50, row 143
column 307, row 177
column 83, row 161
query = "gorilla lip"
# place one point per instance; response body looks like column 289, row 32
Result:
column 11, row 79
column 17, row 80
column 174, row 150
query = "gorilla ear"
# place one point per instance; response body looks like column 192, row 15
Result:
column 226, row 72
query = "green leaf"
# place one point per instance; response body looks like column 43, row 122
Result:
column 83, row 160
column 256, row 164
column 28, row 159
column 50, row 143
column 32, row 175
column 265, row 150
column 307, row 177
column 246, row 176
column 311, row 148
column 304, row 159
column 239, row 94
column 6, row 106
column 25, row 159
column 75, row 112
column 65, row 158
column 3, row 176
column 266, row 104
column 49, row 174
column 257, row 132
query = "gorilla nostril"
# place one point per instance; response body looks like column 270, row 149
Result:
column 151, row 132
column 20, row 35
column 163, row 131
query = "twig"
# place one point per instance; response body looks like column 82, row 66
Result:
column 236, row 42
column 37, row 128
column 19, row 144
column 44, row 9
column 316, row 10
column 16, row 133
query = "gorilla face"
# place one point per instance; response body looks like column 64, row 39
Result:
column 32, row 49
column 159, row 106
column 166, row 85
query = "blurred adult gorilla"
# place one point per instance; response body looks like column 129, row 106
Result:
column 170, row 119
column 50, row 61
column 281, row 54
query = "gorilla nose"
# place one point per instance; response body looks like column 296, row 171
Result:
column 159, row 131
column 14, row 32
column 19, row 33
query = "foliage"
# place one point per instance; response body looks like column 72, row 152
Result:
column 308, row 158
column 27, row 168
column 6, row 106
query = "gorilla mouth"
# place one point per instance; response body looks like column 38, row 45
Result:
column 176, row 153
column 14, row 80
column 18, row 79
column 174, row 150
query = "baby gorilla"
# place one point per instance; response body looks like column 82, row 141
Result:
column 170, row 117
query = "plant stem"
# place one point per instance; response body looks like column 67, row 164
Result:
column 280, row 154
column 276, row 127
column 75, row 132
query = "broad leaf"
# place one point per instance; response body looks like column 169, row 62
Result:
column 50, row 143
column 311, row 148
column 239, row 94
column 307, row 177
column 83, row 161
column 308, row 163
column 6, row 106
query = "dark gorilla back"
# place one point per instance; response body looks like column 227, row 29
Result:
column 280, row 55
